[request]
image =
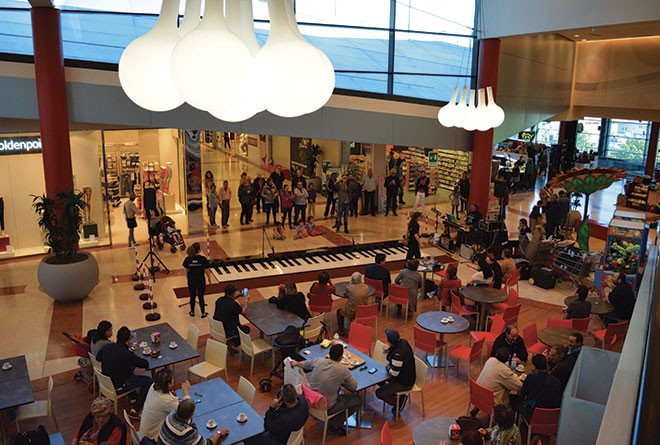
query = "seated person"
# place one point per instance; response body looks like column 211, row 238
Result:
column 102, row 336
column 410, row 278
column 622, row 297
column 507, row 264
column 291, row 300
column 377, row 271
column 488, row 271
column 118, row 362
column 101, row 425
column 400, row 370
column 287, row 413
column 327, row 377
column 323, row 286
column 301, row 230
column 496, row 375
column 227, row 311
column 449, row 282
column 469, row 437
column 580, row 307
column 560, row 364
column 505, row 431
column 575, row 341
column 472, row 220
column 179, row 429
column 311, row 227
column 161, row 400
column 523, row 228
column 356, row 293
column 540, row 390
column 278, row 232
column 511, row 340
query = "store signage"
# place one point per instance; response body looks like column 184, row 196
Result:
column 20, row 145
column 433, row 159
column 526, row 135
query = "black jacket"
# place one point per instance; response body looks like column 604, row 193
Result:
column 543, row 388
column 401, row 366
column 464, row 188
column 296, row 179
column 623, row 299
column 106, row 429
column 517, row 348
column 562, row 370
column 118, row 361
column 378, row 272
column 281, row 422
column 392, row 184
column 245, row 195
column 278, row 180
column 196, row 265
column 419, row 187
column 579, row 309
column 295, row 304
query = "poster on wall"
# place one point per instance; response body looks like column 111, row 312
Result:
column 192, row 144
column 299, row 146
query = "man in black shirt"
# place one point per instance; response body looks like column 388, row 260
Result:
column 118, row 361
column 298, row 177
column 227, row 311
column 575, row 341
column 278, row 177
column 392, row 184
column 540, row 388
column 580, row 307
column 473, row 216
column 511, row 340
column 287, row 413
column 376, row 271
column 400, row 369
column 623, row 299
column 560, row 365
column 331, row 195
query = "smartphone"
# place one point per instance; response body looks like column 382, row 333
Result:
column 245, row 291
column 372, row 371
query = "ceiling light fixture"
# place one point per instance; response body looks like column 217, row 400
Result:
column 473, row 116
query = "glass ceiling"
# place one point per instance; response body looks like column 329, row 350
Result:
column 433, row 40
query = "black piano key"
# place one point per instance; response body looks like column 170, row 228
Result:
column 217, row 269
column 348, row 254
column 252, row 266
column 369, row 253
column 388, row 251
column 305, row 259
column 401, row 249
column 226, row 270
column 313, row 260
column 272, row 266
column 336, row 257
column 281, row 263
column 238, row 269
column 296, row 262
column 323, row 257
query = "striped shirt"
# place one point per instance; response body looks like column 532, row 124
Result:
column 178, row 432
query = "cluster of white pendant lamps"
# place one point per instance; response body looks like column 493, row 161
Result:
column 472, row 116
column 215, row 64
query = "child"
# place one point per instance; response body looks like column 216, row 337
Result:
column 455, row 198
column 311, row 200
column 311, row 227
column 278, row 232
column 169, row 227
column 213, row 202
column 300, row 230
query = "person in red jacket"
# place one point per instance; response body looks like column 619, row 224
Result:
column 450, row 281
column 287, row 204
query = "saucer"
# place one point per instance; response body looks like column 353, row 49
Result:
column 241, row 419
column 146, row 351
column 520, row 368
column 345, row 362
column 211, row 424
column 173, row 345
column 6, row 366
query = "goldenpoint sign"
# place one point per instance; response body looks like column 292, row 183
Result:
column 20, row 145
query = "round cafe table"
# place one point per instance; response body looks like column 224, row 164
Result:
column 431, row 321
column 598, row 306
column 433, row 431
column 483, row 295
column 341, row 287
column 551, row 336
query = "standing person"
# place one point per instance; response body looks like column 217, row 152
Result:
column 622, row 297
column 278, row 177
column 500, row 190
column 464, row 190
column 226, row 139
column 370, row 184
column 564, row 204
column 421, row 190
column 543, row 162
column 553, row 215
column 545, row 194
column 311, row 200
column 246, row 198
column 209, row 180
column 534, row 215
column 257, row 186
column 196, row 265
column 410, row 278
column 331, row 194
column 269, row 197
column 400, row 370
column 455, row 199
column 343, row 203
column 391, row 190
column 413, row 237
column 298, row 177
column 160, row 401
column 356, row 294
column 327, row 377
column 355, row 189
column 227, row 310
column 530, row 174
column 130, row 212
column 225, row 197
column 287, row 205
column 300, row 201
column 214, row 201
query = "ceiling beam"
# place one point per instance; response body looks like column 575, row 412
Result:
column 41, row 3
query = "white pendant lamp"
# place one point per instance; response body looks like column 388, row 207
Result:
column 222, row 81
column 144, row 67
column 461, row 109
column 297, row 78
column 495, row 111
column 192, row 15
column 469, row 120
column 238, row 14
column 482, row 116
column 446, row 113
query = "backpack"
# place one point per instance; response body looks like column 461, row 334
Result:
column 34, row 437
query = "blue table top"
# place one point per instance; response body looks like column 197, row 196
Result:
column 212, row 394
column 226, row 418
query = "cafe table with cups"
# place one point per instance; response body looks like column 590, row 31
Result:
column 442, row 323
column 162, row 346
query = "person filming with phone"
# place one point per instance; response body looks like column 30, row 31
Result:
column 227, row 310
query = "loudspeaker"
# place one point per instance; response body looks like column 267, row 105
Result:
column 543, row 277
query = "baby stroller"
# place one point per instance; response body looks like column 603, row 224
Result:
column 163, row 231
column 80, row 348
column 287, row 344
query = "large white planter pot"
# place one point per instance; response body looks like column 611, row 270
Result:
column 71, row 282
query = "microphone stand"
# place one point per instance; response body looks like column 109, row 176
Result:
column 264, row 238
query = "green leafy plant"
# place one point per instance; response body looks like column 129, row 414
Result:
column 60, row 217
column 312, row 154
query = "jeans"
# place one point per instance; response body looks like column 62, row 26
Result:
column 391, row 204
column 142, row 383
column 286, row 212
column 257, row 202
column 349, row 402
column 197, row 290
column 212, row 211
column 331, row 203
column 225, row 212
column 342, row 212
column 420, row 197
column 387, row 392
column 131, row 236
column 300, row 212
column 369, row 202
column 454, row 210
column 268, row 208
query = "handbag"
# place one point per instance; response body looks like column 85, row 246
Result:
column 131, row 223
column 34, row 437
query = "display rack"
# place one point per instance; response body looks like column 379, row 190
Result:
column 637, row 195
column 357, row 166
column 625, row 250
column 417, row 159
column 574, row 262
column 451, row 166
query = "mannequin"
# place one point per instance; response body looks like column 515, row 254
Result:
column 87, row 197
column 167, row 176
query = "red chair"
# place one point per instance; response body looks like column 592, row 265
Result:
column 359, row 336
column 367, row 314
column 320, row 303
column 580, row 324
column 512, row 300
column 614, row 333
column 510, row 315
column 427, row 341
column 385, row 435
column 461, row 309
column 397, row 295
column 378, row 288
column 443, row 272
column 530, row 337
column 482, row 398
column 496, row 328
column 470, row 354
column 559, row 323
column 544, row 421
column 513, row 280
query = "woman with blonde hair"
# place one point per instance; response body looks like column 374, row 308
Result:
column 101, row 425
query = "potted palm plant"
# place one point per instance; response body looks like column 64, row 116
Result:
column 66, row 274
column 312, row 154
